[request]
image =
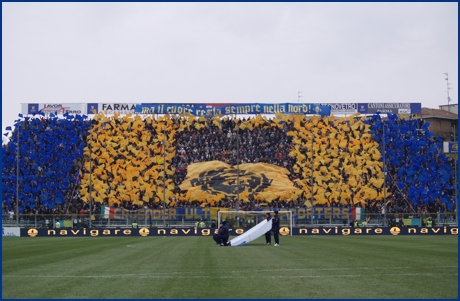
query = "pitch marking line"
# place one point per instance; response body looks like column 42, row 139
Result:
column 137, row 276
column 283, row 270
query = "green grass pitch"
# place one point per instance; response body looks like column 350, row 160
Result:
column 194, row 267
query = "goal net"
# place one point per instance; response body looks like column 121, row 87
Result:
column 248, row 219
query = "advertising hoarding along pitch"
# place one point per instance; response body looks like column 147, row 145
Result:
column 297, row 231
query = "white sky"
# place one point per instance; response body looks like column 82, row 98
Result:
column 227, row 52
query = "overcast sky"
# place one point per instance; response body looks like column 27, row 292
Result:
column 227, row 52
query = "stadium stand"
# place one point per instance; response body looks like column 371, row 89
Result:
column 130, row 162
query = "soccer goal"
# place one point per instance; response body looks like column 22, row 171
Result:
column 244, row 219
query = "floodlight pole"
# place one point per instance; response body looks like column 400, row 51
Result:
column 164, row 175
column 90, row 176
column 456, row 192
column 448, row 88
column 311, row 178
column 455, row 182
column 384, row 177
column 17, row 180
column 237, row 165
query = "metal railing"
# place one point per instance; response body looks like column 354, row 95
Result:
column 97, row 221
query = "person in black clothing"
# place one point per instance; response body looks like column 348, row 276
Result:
column 222, row 236
column 268, row 235
column 276, row 228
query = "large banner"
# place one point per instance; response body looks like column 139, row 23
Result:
column 215, row 180
column 206, row 213
column 234, row 109
column 284, row 231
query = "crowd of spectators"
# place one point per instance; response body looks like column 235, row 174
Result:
column 129, row 161
column 138, row 163
column 345, row 161
column 420, row 176
column 40, row 164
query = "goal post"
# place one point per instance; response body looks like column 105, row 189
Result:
column 245, row 219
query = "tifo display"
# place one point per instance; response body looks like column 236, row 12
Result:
column 59, row 164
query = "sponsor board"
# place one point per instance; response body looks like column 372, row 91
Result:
column 33, row 232
column 52, row 108
column 78, row 108
column 390, row 108
column 453, row 147
column 92, row 108
column 11, row 232
column 32, row 108
column 299, row 231
column 112, row 108
column 61, row 108
column 342, row 108
column 450, row 147
column 345, row 231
